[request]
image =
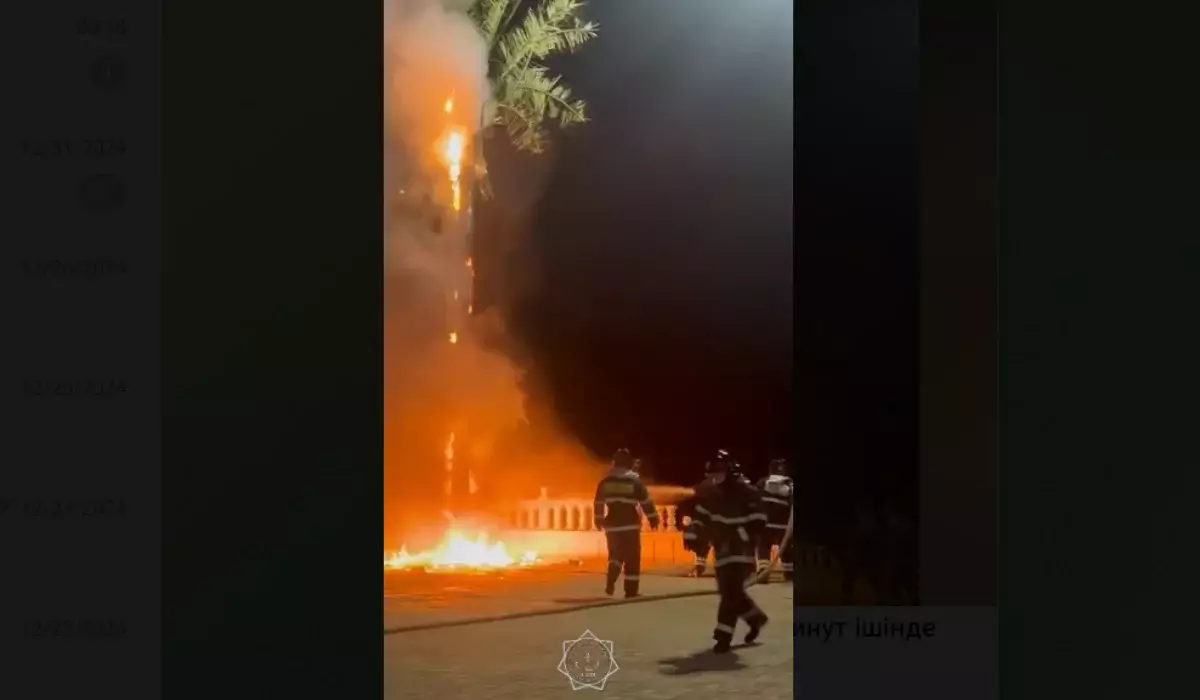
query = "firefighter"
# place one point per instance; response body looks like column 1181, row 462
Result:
column 729, row 516
column 777, row 489
column 619, row 496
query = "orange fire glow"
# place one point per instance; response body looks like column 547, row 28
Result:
column 459, row 551
column 451, row 148
column 448, row 451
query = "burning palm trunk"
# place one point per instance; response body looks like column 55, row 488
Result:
column 448, row 398
column 451, row 149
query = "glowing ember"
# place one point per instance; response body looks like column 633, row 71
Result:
column 457, row 551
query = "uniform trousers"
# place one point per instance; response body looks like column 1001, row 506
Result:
column 735, row 601
column 624, row 555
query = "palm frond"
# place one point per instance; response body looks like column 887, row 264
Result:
column 550, row 28
column 491, row 16
column 526, row 96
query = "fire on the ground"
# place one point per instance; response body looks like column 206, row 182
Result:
column 459, row 551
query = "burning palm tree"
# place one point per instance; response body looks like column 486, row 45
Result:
column 526, row 100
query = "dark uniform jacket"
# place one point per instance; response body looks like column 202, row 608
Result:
column 687, row 507
column 618, row 497
column 728, row 516
column 777, row 495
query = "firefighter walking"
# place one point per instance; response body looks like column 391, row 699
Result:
column 777, row 496
column 621, row 498
column 728, row 515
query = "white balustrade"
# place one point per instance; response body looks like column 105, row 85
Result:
column 574, row 516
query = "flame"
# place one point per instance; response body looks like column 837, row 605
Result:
column 451, row 148
column 449, row 450
column 449, row 105
column 457, row 550
column 453, row 338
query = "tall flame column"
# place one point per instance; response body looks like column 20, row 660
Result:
column 453, row 149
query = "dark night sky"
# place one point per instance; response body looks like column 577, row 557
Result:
column 662, row 316
column 857, row 265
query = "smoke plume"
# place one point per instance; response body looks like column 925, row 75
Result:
column 435, row 77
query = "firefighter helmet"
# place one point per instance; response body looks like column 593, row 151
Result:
column 622, row 459
column 778, row 467
column 720, row 464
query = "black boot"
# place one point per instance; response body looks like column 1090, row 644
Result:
column 756, row 624
column 610, row 587
column 724, row 640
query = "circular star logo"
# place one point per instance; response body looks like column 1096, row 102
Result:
column 587, row 661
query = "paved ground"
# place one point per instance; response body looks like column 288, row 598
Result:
column 420, row 599
column 661, row 648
